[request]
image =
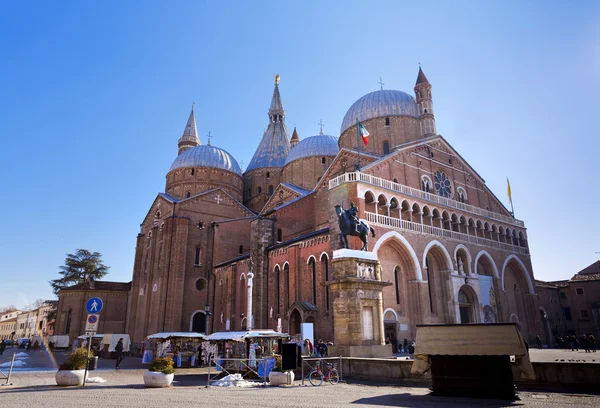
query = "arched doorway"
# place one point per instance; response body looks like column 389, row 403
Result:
column 465, row 305
column 295, row 320
column 517, row 286
column 437, row 266
column 390, row 323
column 199, row 322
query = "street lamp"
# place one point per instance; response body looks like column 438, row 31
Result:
column 207, row 313
column 207, row 310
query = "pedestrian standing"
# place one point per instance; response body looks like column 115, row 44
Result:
column 119, row 351
column 538, row 340
column 2, row 347
column 405, row 345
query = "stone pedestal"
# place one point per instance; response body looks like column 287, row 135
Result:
column 357, row 305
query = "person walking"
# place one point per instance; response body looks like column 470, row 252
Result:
column 119, row 351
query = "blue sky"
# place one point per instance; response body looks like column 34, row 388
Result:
column 94, row 95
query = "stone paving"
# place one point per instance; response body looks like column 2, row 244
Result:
column 125, row 388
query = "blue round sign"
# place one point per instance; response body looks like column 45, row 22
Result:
column 94, row 305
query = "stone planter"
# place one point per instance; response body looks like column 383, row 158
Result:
column 69, row 377
column 277, row 378
column 155, row 379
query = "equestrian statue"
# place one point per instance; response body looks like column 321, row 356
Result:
column 351, row 225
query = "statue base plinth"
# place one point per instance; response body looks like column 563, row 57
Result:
column 373, row 351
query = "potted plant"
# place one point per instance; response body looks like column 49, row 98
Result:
column 279, row 377
column 160, row 374
column 72, row 371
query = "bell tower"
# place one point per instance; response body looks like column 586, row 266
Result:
column 190, row 134
column 425, row 104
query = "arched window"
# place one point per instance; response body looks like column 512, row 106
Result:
column 286, row 276
column 268, row 174
column 278, row 275
column 386, row 147
column 387, row 121
column 323, row 160
column 192, row 172
column 325, row 270
column 243, row 294
column 68, row 325
column 259, row 190
column 197, row 256
column 397, row 281
column 279, row 235
column 313, row 269
column 270, row 189
column 241, row 249
column 187, row 194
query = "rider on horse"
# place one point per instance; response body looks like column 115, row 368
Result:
column 353, row 213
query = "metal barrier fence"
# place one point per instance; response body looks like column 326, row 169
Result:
column 243, row 366
column 7, row 376
column 307, row 361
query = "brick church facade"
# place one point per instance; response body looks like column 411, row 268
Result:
column 452, row 251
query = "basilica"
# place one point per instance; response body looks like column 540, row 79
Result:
column 227, row 249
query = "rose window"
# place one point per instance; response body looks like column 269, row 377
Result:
column 443, row 186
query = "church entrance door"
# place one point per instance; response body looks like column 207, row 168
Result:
column 199, row 323
column 295, row 321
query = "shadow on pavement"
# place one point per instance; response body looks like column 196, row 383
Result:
column 409, row 401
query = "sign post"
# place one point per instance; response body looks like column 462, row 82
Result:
column 94, row 307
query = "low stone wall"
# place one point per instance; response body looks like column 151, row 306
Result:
column 547, row 374
column 564, row 374
column 380, row 369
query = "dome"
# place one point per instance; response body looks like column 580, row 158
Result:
column 380, row 104
column 206, row 156
column 322, row 145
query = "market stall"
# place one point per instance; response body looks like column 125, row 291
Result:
column 249, row 346
column 96, row 342
column 182, row 347
column 471, row 359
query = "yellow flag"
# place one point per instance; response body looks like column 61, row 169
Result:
column 508, row 190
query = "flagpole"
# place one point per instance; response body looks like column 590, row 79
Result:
column 358, row 141
column 512, row 208
column 510, row 197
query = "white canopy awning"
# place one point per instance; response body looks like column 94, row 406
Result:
column 177, row 335
column 95, row 336
column 242, row 335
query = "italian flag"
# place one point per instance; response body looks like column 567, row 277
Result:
column 362, row 131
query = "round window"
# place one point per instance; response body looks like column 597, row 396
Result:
column 443, row 186
column 200, row 284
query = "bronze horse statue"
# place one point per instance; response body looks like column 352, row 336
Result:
column 348, row 226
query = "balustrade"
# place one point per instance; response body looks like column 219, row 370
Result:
column 400, row 224
column 390, row 185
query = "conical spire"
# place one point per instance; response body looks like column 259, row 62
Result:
column 421, row 78
column 295, row 138
column 276, row 110
column 190, row 127
column 190, row 134
column 275, row 143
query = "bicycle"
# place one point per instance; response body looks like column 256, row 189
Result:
column 316, row 376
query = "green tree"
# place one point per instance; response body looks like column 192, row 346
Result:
column 78, row 268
